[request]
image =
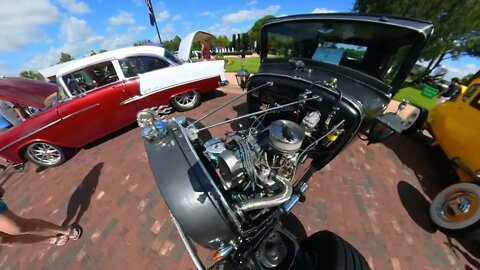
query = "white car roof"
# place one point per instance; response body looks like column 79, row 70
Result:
column 110, row 55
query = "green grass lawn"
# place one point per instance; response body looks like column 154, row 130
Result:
column 235, row 64
column 415, row 97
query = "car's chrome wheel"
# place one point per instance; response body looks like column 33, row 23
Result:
column 45, row 154
column 186, row 101
column 414, row 121
column 456, row 207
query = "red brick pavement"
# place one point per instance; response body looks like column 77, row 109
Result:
column 370, row 195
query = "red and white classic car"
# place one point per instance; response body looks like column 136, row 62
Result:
column 98, row 95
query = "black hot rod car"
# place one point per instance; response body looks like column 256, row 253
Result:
column 323, row 79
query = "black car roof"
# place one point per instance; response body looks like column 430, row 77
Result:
column 421, row 26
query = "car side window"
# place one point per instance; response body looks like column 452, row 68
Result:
column 134, row 65
column 90, row 78
column 470, row 92
column 476, row 102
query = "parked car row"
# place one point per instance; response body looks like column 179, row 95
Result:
column 97, row 95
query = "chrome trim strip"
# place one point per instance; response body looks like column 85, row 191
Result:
column 138, row 97
column 82, row 110
column 30, row 134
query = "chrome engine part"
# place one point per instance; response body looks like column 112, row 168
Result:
column 256, row 171
column 230, row 169
column 310, row 121
column 286, row 136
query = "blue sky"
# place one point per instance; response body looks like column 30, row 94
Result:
column 34, row 33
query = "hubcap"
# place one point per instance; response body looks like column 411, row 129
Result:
column 44, row 153
column 411, row 118
column 185, row 99
column 459, row 207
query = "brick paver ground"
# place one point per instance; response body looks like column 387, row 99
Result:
column 374, row 196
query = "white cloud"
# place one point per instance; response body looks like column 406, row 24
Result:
column 163, row 16
column 74, row 6
column 167, row 31
column 20, row 22
column 206, row 13
column 252, row 14
column 227, row 30
column 323, row 10
column 77, row 38
column 251, row 3
column 460, row 71
column 43, row 60
column 122, row 18
column 123, row 39
column 176, row 17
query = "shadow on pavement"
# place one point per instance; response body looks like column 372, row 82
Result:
column 430, row 164
column 416, row 205
column 213, row 95
column 434, row 173
column 81, row 197
column 6, row 178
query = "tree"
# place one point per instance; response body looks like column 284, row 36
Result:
column 173, row 44
column 254, row 32
column 239, row 42
column 467, row 79
column 30, row 74
column 245, row 45
column 141, row 42
column 65, row 57
column 102, row 51
column 457, row 28
column 234, row 42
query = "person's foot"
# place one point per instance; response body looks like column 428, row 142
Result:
column 59, row 240
column 75, row 232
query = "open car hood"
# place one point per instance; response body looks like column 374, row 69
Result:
column 25, row 92
column 383, row 47
column 186, row 44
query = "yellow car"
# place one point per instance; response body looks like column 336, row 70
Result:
column 455, row 127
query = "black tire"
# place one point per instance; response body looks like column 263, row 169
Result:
column 186, row 101
column 465, row 225
column 55, row 154
column 418, row 123
column 325, row 250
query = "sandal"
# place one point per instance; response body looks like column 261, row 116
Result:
column 60, row 239
column 75, row 232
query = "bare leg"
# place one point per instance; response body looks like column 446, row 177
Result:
column 10, row 240
column 10, row 223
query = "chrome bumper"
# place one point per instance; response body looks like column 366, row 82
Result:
column 223, row 83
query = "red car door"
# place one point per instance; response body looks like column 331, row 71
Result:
column 98, row 109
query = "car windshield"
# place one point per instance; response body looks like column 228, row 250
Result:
column 61, row 92
column 371, row 48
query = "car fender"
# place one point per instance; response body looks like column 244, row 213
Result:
column 14, row 140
